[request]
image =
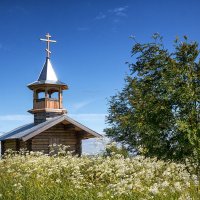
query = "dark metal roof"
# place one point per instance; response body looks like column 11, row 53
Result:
column 16, row 131
column 30, row 130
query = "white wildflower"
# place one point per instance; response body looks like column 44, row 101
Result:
column 100, row 194
column 177, row 186
column 18, row 186
column 165, row 184
column 154, row 189
column 58, row 181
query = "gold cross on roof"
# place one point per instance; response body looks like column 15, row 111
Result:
column 48, row 44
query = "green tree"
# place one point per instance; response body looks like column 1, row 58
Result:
column 157, row 113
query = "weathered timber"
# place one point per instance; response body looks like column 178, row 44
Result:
column 29, row 145
column 10, row 144
column 58, row 134
column 2, row 147
column 79, row 143
column 23, row 145
column 17, row 145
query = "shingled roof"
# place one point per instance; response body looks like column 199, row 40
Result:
column 30, row 130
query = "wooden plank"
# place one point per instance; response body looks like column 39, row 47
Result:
column 40, row 147
column 46, row 140
column 44, row 137
column 59, row 135
column 40, row 143
column 78, row 149
column 59, row 131
column 23, row 145
column 29, row 145
column 2, row 147
column 56, row 134
column 9, row 141
column 10, row 144
column 17, row 144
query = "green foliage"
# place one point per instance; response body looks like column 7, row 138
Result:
column 112, row 148
column 158, row 111
column 33, row 175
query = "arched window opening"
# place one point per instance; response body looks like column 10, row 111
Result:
column 54, row 95
column 41, row 95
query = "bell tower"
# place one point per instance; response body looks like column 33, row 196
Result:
column 47, row 91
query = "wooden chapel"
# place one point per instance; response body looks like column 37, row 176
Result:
column 51, row 123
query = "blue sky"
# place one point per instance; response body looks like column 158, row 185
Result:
column 92, row 47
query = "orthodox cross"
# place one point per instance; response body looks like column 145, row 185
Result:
column 48, row 44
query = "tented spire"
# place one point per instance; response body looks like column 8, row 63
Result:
column 47, row 73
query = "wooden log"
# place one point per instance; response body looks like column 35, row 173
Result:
column 29, row 145
column 17, row 144
column 2, row 147
column 10, row 144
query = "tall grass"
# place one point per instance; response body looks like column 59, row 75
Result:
column 35, row 176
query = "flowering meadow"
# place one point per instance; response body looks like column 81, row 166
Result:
column 35, row 176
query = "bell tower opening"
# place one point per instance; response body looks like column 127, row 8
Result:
column 41, row 95
column 53, row 95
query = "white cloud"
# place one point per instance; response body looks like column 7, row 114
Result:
column 94, row 121
column 116, row 12
column 101, row 16
column 89, row 116
column 120, row 9
column 79, row 105
column 15, row 117
column 82, row 117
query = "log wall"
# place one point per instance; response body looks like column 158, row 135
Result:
column 59, row 134
column 10, row 144
column 14, row 144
